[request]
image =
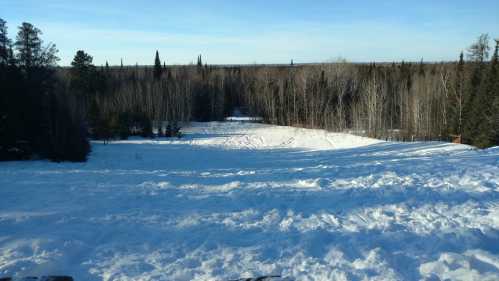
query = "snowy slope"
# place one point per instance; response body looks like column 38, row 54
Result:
column 237, row 200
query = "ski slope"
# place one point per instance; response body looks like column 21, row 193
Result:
column 235, row 200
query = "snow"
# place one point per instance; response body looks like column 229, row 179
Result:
column 244, row 119
column 232, row 200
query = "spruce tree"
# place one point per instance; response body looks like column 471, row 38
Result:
column 477, row 53
column 157, row 67
column 484, row 106
column 4, row 43
column 495, row 96
column 83, row 78
column 200, row 61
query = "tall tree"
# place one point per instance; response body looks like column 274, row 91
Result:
column 484, row 105
column 4, row 43
column 82, row 61
column 83, row 76
column 39, row 119
column 200, row 61
column 495, row 96
column 157, row 67
column 457, row 100
column 30, row 52
column 477, row 53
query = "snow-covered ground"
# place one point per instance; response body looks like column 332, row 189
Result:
column 238, row 200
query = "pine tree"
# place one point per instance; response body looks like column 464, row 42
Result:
column 4, row 43
column 30, row 52
column 82, row 61
column 28, row 45
column 157, row 67
column 84, row 78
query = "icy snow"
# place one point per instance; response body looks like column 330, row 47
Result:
column 232, row 200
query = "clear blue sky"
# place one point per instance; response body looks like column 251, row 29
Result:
column 257, row 31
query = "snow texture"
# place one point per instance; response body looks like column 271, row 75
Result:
column 233, row 200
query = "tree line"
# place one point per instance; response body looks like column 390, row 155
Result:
column 394, row 101
column 49, row 111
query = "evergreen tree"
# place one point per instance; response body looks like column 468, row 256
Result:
column 4, row 43
column 67, row 133
column 495, row 96
column 200, row 61
column 10, row 99
column 28, row 45
column 30, row 52
column 157, row 67
column 85, row 81
column 472, row 112
column 40, row 119
column 484, row 106
column 82, row 61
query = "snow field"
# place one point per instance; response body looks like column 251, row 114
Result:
column 235, row 200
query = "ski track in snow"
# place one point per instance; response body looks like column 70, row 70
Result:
column 237, row 200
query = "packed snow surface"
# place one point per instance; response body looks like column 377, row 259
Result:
column 234, row 200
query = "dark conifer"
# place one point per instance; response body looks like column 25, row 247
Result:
column 5, row 43
column 495, row 95
column 477, row 53
column 200, row 61
column 157, row 67
column 484, row 105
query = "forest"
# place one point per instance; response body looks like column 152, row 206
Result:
column 51, row 112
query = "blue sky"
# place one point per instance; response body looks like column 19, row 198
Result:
column 241, row 32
